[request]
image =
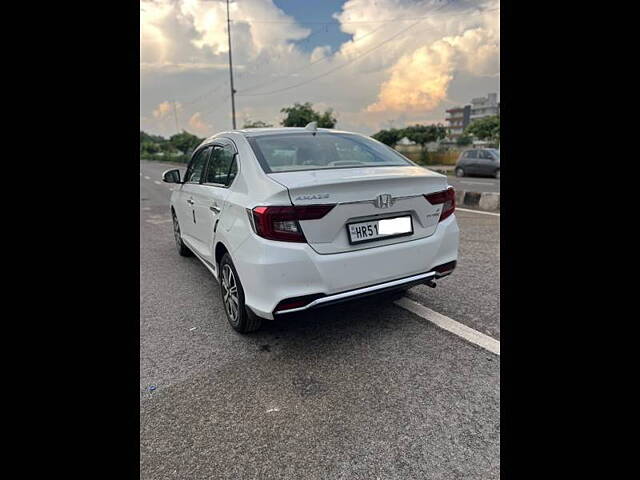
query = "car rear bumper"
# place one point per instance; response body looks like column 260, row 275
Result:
column 362, row 292
column 273, row 271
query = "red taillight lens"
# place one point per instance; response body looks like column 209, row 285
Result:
column 447, row 197
column 281, row 223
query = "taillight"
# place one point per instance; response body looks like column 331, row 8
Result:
column 281, row 223
column 447, row 197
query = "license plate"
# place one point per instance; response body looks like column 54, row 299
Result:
column 379, row 229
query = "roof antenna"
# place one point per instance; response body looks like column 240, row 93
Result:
column 312, row 127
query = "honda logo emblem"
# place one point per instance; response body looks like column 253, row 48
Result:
column 384, row 200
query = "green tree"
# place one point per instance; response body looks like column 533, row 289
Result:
column 464, row 140
column 185, row 141
column 256, row 124
column 301, row 114
column 149, row 148
column 147, row 138
column 389, row 137
column 423, row 134
column 487, row 128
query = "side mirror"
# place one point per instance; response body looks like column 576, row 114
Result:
column 171, row 176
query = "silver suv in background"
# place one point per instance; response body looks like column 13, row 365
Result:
column 479, row 161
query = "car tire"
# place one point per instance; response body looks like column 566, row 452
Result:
column 459, row 172
column 240, row 317
column 183, row 250
column 498, row 174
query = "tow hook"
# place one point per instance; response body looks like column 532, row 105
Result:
column 430, row 283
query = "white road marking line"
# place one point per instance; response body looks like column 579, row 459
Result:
column 140, row 173
column 157, row 182
column 446, row 323
column 476, row 183
column 477, row 211
column 147, row 178
column 158, row 222
column 273, row 410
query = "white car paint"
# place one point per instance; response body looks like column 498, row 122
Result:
column 270, row 270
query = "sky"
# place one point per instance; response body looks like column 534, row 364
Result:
column 376, row 63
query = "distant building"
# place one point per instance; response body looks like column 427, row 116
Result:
column 458, row 119
column 485, row 107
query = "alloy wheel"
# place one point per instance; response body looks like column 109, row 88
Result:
column 176, row 232
column 230, row 293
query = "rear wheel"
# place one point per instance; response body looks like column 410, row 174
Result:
column 182, row 248
column 241, row 318
column 459, row 172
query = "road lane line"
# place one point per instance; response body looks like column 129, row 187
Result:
column 157, row 182
column 147, row 178
column 477, row 211
column 446, row 323
column 476, row 183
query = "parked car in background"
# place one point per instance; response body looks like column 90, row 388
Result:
column 290, row 219
column 479, row 161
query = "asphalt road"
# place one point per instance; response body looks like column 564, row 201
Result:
column 358, row 391
column 474, row 184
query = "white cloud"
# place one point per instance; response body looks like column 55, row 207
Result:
column 418, row 81
column 405, row 79
column 198, row 125
column 166, row 108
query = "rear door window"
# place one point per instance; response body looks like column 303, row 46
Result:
column 222, row 166
column 196, row 167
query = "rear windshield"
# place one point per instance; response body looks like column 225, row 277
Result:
column 305, row 151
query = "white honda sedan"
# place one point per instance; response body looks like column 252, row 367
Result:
column 290, row 219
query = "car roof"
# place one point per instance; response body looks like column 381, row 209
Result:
column 257, row 132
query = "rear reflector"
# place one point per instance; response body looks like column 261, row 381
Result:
column 296, row 302
column 281, row 223
column 445, row 268
column 446, row 197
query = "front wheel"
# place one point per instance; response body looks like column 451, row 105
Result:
column 183, row 250
column 241, row 318
column 459, row 172
column 498, row 174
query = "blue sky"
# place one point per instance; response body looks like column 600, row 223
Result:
column 316, row 11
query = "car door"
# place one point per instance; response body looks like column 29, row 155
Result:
column 470, row 165
column 210, row 199
column 486, row 163
column 185, row 205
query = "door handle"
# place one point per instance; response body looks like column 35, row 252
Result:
column 214, row 209
column 190, row 202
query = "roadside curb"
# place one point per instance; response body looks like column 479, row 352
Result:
column 487, row 201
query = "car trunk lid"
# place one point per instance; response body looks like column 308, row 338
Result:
column 355, row 193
